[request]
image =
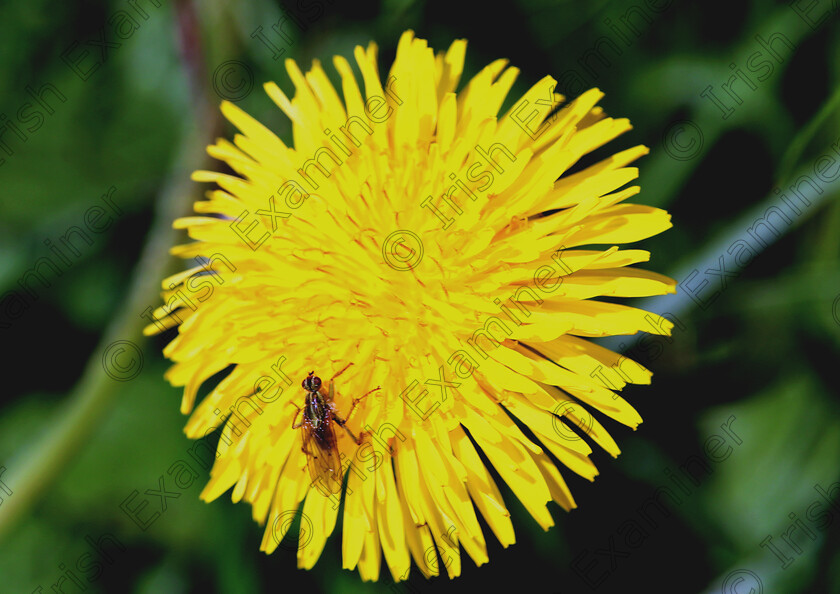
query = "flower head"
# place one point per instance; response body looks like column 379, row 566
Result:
column 416, row 241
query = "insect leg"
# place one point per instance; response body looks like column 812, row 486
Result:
column 342, row 371
column 358, row 440
column 296, row 425
column 358, row 400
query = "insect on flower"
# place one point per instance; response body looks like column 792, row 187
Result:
column 319, row 440
column 523, row 231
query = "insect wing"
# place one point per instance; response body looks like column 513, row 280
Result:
column 322, row 457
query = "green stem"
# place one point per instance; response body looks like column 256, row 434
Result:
column 801, row 140
column 708, row 258
column 36, row 468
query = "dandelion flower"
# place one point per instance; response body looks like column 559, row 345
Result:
column 453, row 256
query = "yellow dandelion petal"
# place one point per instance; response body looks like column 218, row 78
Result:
column 403, row 294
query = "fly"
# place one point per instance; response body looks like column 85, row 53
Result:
column 319, row 440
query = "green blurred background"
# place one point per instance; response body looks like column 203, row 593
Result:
column 763, row 352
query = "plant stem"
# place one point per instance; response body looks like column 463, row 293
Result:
column 32, row 471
